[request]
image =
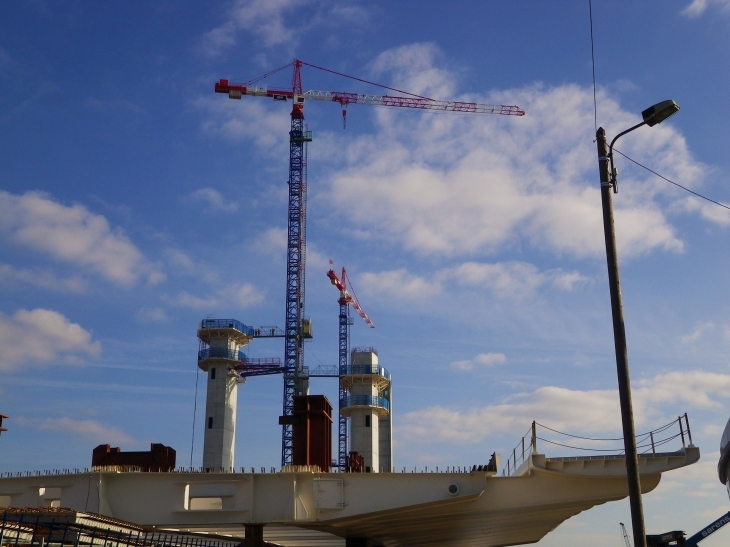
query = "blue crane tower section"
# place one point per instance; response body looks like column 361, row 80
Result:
column 295, row 379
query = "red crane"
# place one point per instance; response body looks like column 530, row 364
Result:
column 345, row 301
column 297, row 328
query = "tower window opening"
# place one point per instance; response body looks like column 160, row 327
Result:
column 367, row 421
column 210, row 422
column 212, row 373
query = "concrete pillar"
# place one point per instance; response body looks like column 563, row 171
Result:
column 220, row 418
column 220, row 353
column 254, row 535
column 385, row 432
column 365, row 382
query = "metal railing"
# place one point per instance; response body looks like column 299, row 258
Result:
column 41, row 527
column 377, row 370
column 646, row 443
column 221, row 353
column 364, row 350
column 364, row 400
column 227, row 324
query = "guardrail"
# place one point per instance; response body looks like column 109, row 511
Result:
column 221, row 353
column 38, row 526
column 227, row 324
column 377, row 370
column 364, row 400
column 646, row 443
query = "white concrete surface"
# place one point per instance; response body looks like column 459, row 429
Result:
column 389, row 509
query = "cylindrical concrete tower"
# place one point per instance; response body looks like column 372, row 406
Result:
column 366, row 381
column 220, row 351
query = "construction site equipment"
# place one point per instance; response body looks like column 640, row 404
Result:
column 626, row 536
column 345, row 301
column 297, row 328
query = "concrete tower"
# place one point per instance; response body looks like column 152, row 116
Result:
column 221, row 341
column 367, row 408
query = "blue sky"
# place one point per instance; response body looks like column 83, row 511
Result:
column 135, row 202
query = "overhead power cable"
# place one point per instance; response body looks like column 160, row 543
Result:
column 593, row 66
column 671, row 181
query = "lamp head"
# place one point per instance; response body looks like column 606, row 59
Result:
column 659, row 112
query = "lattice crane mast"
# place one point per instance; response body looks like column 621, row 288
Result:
column 296, row 328
column 626, row 536
column 345, row 301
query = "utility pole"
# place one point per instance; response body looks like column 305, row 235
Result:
column 619, row 340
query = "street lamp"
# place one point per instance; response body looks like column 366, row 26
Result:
column 652, row 116
column 2, row 416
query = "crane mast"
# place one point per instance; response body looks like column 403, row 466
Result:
column 345, row 300
column 295, row 379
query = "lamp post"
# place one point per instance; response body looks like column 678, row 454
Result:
column 652, row 116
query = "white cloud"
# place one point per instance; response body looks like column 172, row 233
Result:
column 40, row 337
column 249, row 118
column 571, row 411
column 698, row 7
column 708, row 211
column 242, row 296
column 214, row 201
column 697, row 332
column 398, row 283
column 245, row 295
column 90, row 430
column 560, row 408
column 151, row 315
column 179, row 259
column 504, row 279
column 455, row 184
column 484, row 359
column 43, row 279
column 271, row 241
column 73, row 235
column 280, row 22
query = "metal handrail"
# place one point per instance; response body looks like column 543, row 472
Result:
column 647, row 443
column 366, row 369
column 222, row 353
column 365, row 400
column 364, row 350
column 227, row 324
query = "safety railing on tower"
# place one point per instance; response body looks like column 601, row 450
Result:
column 355, row 370
column 365, row 400
column 221, row 353
column 654, row 443
column 227, row 324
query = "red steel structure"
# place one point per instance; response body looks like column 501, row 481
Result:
column 312, row 430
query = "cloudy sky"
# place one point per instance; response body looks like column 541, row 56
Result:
column 135, row 202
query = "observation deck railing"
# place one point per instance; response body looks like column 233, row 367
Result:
column 365, row 400
column 227, row 324
column 222, row 353
column 364, row 350
column 357, row 370
column 646, row 443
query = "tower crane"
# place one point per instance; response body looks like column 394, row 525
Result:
column 345, row 301
column 626, row 536
column 297, row 328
